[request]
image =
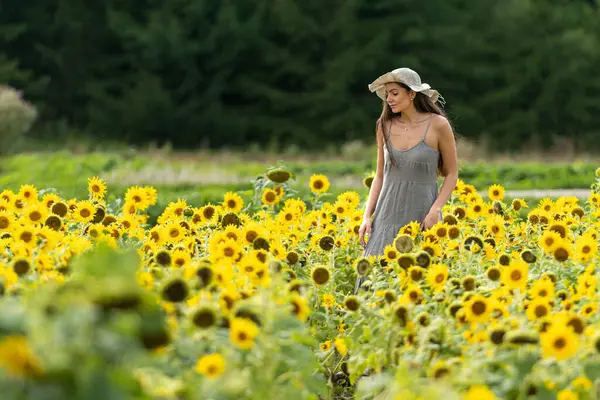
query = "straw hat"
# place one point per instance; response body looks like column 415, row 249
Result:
column 409, row 78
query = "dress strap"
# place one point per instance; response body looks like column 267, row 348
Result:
column 427, row 129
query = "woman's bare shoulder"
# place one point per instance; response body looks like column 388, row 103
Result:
column 439, row 121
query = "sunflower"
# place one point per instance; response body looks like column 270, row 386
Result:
column 352, row 303
column 29, row 193
column 437, row 274
column 340, row 346
column 319, row 183
column 518, row 204
column 242, row 332
column 403, row 243
column 495, row 225
column 477, row 309
column 174, row 289
column 269, row 197
column 585, row 248
column 325, row 346
column 542, row 288
column 35, row 213
column 412, row 294
column 362, row 265
column 496, row 192
column 434, row 249
column 21, row 265
column 468, row 283
column 232, row 202
column 97, row 188
column 560, row 342
column 538, row 309
column 368, row 180
column 7, row 221
column 475, row 210
column 589, row 309
column 211, row 365
column 405, row 261
column 514, row 276
column 562, row 251
column 137, row 197
column 204, row 317
column 18, row 358
column 320, row 275
column 549, row 240
column 229, row 249
column 416, row 273
column 25, row 235
column 84, row 211
column 181, row 258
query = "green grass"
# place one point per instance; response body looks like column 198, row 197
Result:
column 204, row 177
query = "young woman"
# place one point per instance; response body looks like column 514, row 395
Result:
column 415, row 144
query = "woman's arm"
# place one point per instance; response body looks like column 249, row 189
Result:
column 447, row 146
column 378, row 180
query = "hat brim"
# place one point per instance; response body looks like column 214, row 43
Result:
column 378, row 86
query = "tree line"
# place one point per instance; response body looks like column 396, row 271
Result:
column 239, row 72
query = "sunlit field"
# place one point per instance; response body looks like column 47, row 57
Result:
column 251, row 296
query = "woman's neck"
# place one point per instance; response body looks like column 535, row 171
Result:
column 411, row 115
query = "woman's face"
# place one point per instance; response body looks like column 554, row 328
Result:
column 397, row 97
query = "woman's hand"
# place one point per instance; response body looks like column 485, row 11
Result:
column 365, row 229
column 430, row 220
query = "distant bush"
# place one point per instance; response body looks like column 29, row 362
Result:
column 16, row 118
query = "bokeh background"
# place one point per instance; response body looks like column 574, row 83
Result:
column 198, row 96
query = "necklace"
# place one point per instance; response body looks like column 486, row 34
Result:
column 411, row 124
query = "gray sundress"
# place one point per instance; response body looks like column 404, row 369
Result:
column 408, row 192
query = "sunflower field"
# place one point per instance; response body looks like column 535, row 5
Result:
column 253, row 297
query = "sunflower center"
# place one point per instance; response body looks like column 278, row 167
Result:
column 318, row 184
column 561, row 254
column 478, row 307
column 231, row 203
column 35, row 216
column 270, row 197
column 540, row 311
column 439, row 278
column 560, row 343
column 4, row 223
column 228, row 252
column 26, row 237
column 586, row 249
column 516, row 275
column 212, row 369
column 174, row 232
column 208, row 212
column 251, row 235
column 242, row 336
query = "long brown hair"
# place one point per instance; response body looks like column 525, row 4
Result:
column 423, row 104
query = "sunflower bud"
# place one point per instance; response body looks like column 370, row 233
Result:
column 363, row 266
column 352, row 303
column 403, row 243
column 522, row 336
column 279, row 174
column 174, row 290
column 320, row 275
column 204, row 317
